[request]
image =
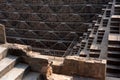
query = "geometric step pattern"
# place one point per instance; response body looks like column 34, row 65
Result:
column 92, row 44
column 40, row 23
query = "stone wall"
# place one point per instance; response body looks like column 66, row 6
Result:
column 84, row 67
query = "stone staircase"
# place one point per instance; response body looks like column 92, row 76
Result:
column 105, row 38
column 12, row 69
column 113, row 61
column 113, row 67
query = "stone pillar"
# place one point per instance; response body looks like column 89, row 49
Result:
column 2, row 34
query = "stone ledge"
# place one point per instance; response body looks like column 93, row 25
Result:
column 114, row 37
column 115, row 16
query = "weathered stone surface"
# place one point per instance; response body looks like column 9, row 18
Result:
column 2, row 34
column 72, row 65
column 84, row 67
column 23, row 52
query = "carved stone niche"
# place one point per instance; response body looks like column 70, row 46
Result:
column 2, row 34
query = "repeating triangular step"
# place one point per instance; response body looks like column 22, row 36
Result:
column 9, row 24
column 30, row 34
column 8, row 7
column 51, row 17
column 65, row 9
column 16, row 73
column 22, row 25
column 55, row 9
column 14, row 16
column 45, row 9
column 28, row 15
column 2, row 16
column 51, row 36
column 40, row 2
column 55, row 2
column 70, row 36
column 77, row 27
column 15, row 40
column 33, row 17
column 11, row 32
column 51, row 25
column 25, row 8
column 17, row 1
column 59, row 47
column 75, row 17
column 39, row 26
column 63, row 27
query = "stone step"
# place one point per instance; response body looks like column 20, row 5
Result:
column 112, row 67
column 117, row 6
column 113, row 75
column 112, row 78
column 114, row 31
column 7, row 64
column 115, row 18
column 16, row 73
column 99, row 41
column 115, row 38
column 113, row 42
column 31, row 76
column 83, row 55
column 94, row 54
column 113, row 61
column 114, row 47
column 100, row 36
column 94, row 50
column 113, row 54
column 114, row 28
column 3, row 52
column 100, row 32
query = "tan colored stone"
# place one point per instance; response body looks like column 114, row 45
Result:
column 2, row 34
